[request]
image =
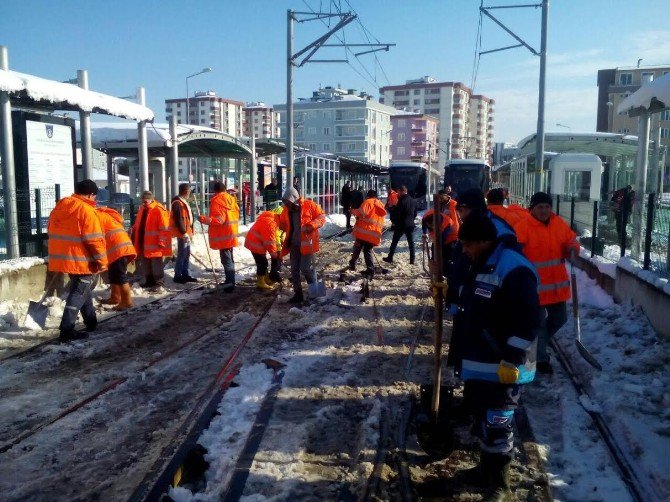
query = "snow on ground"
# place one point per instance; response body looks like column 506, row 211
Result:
column 633, row 392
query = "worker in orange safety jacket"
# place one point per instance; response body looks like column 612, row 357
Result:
column 223, row 221
column 300, row 220
column 367, row 231
column 261, row 239
column 512, row 214
column 152, row 239
column 547, row 241
column 77, row 247
column 181, row 225
column 120, row 252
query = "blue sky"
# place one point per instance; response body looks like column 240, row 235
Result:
column 156, row 44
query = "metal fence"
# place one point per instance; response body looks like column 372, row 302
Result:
column 606, row 229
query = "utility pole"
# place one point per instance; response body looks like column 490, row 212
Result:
column 292, row 60
column 539, row 138
column 85, row 131
column 7, row 154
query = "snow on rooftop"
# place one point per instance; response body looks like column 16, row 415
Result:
column 41, row 89
column 113, row 132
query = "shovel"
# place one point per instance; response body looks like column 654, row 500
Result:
column 318, row 288
column 37, row 311
column 575, row 315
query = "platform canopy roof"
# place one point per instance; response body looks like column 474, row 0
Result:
column 600, row 143
column 652, row 97
column 35, row 92
column 120, row 140
column 352, row 165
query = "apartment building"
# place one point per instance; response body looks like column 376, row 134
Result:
column 343, row 122
column 451, row 103
column 260, row 120
column 414, row 137
column 208, row 110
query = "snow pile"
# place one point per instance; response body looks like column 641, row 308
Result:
column 632, row 393
column 16, row 264
column 41, row 89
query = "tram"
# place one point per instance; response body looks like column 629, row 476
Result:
column 413, row 175
column 465, row 174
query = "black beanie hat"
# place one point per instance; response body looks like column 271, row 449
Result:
column 539, row 198
column 473, row 198
column 495, row 196
column 477, row 227
column 86, row 187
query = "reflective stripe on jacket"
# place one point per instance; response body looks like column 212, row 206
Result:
column 499, row 317
column 223, row 221
column 157, row 235
column 369, row 221
column 116, row 238
column 262, row 236
column 311, row 215
column 181, row 218
column 547, row 246
column 76, row 240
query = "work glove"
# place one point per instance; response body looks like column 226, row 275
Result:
column 507, row 372
column 451, row 311
column 202, row 218
column 437, row 287
column 274, row 256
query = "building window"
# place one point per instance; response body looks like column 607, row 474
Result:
column 401, row 93
column 178, row 114
column 311, row 130
column 401, row 123
column 400, row 150
column 417, row 92
column 417, row 102
column 326, row 147
column 647, row 77
column 432, row 111
column 401, row 136
column 202, row 112
column 625, row 78
column 202, row 121
column 351, row 147
column 665, row 115
column 312, row 147
column 326, row 131
column 665, row 132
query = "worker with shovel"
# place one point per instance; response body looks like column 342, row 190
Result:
column 77, row 248
column 500, row 316
column 367, row 231
column 547, row 242
column 300, row 220
column 262, row 239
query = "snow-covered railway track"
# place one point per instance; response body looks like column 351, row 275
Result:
column 122, row 428
column 640, row 485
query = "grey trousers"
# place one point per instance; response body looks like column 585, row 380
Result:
column 301, row 263
column 557, row 316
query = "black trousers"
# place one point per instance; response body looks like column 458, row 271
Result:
column 366, row 247
column 397, row 234
column 492, row 407
column 262, row 264
column 118, row 271
column 347, row 214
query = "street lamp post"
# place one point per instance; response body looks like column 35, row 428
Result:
column 188, row 116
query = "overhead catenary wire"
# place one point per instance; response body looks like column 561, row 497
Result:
column 478, row 46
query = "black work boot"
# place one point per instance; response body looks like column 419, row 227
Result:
column 497, row 467
column 352, row 265
column 296, row 298
column 70, row 334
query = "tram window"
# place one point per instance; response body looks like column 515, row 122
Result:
column 421, row 185
column 577, row 184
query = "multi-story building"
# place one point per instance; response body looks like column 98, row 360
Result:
column 208, row 110
column 615, row 85
column 414, row 138
column 343, row 122
column 450, row 102
column 261, row 120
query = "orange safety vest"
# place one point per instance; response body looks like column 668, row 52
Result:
column 262, row 236
column 311, row 215
column 369, row 221
column 392, row 199
column 223, row 221
column 185, row 215
column 116, row 238
column 445, row 222
column 76, row 240
column 510, row 215
column 453, row 214
column 547, row 246
column 157, row 235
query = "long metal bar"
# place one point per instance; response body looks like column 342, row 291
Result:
column 640, row 180
column 289, row 97
column 510, row 32
column 358, row 45
column 325, row 61
column 536, row 5
column 501, row 49
column 85, row 131
column 142, row 147
column 371, row 51
column 254, row 169
column 322, row 14
column 316, row 45
column 7, row 153
column 539, row 144
column 174, row 157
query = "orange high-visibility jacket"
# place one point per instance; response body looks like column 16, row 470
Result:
column 547, row 246
column 223, row 221
column 181, row 206
column 511, row 215
column 157, row 234
column 446, row 222
column 392, row 200
column 76, row 241
column 453, row 214
column 262, row 235
column 116, row 238
column 311, row 215
column 369, row 221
